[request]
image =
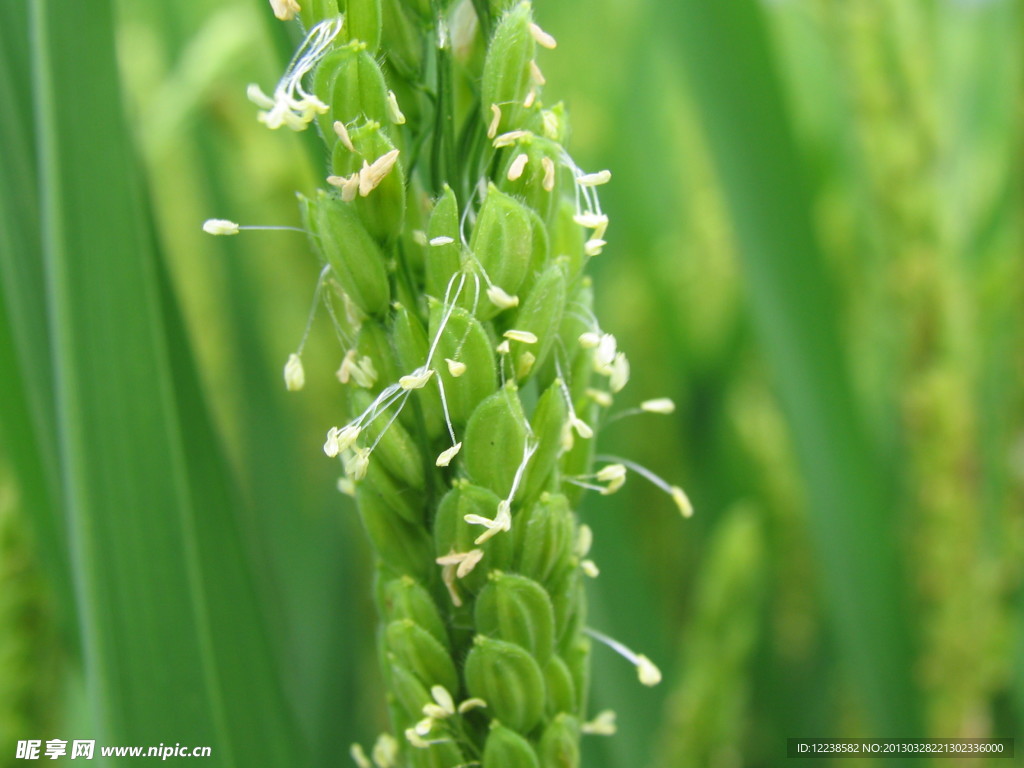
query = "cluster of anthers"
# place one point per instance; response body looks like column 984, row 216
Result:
column 442, row 722
column 607, row 359
column 293, row 106
column 439, row 718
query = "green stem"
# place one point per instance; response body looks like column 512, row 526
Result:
column 483, row 14
column 444, row 140
column 471, row 145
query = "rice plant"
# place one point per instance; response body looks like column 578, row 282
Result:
column 813, row 251
column 453, row 242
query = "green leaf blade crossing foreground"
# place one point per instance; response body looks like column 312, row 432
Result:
column 165, row 601
column 453, row 231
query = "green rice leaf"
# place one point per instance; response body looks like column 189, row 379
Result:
column 733, row 75
column 174, row 644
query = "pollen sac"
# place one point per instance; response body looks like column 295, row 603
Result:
column 507, row 749
column 443, row 259
column 380, row 196
column 495, row 441
column 560, row 743
column 350, row 81
column 518, row 610
column 541, row 312
column 548, row 420
column 508, row 76
column 509, row 679
column 396, row 450
column 561, row 689
column 463, row 337
column 354, row 256
column 402, row 546
column 362, row 21
column 546, row 535
column 502, row 242
column 453, row 534
column 403, row 598
column 418, row 650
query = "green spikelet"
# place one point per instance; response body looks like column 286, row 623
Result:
column 474, row 370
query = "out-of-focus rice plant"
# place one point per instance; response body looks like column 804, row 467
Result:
column 816, row 251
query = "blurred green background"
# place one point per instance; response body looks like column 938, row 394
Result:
column 816, row 250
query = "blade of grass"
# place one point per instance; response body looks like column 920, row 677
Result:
column 982, row 76
column 732, row 73
column 26, row 405
column 303, row 547
column 18, row 445
column 174, row 646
